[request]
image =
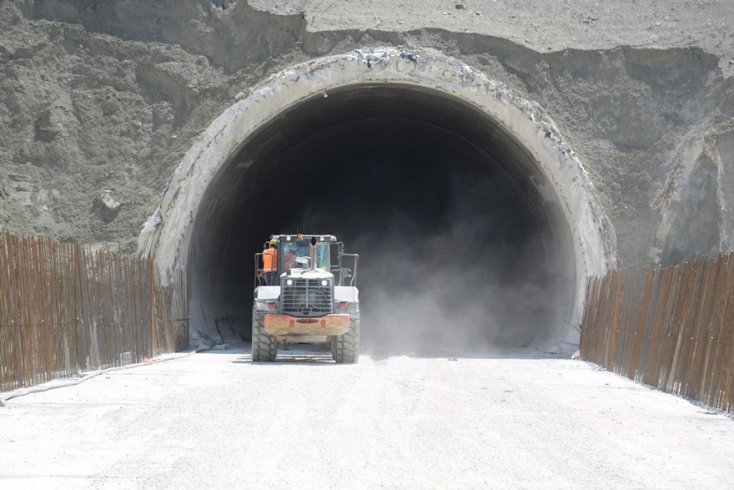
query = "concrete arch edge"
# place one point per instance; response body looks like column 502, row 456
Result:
column 166, row 234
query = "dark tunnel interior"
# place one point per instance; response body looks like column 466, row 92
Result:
column 459, row 250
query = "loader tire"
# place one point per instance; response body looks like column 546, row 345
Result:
column 332, row 344
column 345, row 348
column 264, row 345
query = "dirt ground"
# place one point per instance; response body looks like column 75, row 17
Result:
column 217, row 420
column 539, row 25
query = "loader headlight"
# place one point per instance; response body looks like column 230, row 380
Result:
column 324, row 282
column 289, row 282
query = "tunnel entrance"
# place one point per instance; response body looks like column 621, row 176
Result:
column 466, row 243
column 458, row 247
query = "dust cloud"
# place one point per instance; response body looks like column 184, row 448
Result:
column 468, row 284
column 453, row 258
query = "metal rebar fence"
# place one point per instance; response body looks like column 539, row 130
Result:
column 65, row 309
column 669, row 327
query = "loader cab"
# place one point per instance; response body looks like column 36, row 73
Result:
column 293, row 250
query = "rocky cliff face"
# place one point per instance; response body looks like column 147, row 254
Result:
column 99, row 100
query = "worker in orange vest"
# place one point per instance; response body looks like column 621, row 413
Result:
column 270, row 263
column 260, row 271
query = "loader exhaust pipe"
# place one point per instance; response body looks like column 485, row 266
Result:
column 312, row 253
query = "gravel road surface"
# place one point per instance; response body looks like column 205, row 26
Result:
column 217, row 420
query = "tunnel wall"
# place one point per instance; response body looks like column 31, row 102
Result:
column 566, row 182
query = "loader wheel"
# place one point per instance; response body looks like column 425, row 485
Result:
column 264, row 345
column 345, row 348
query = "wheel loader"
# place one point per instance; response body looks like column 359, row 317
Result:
column 312, row 297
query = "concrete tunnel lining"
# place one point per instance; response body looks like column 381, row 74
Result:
column 424, row 90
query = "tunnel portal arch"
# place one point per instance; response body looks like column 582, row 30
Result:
column 561, row 190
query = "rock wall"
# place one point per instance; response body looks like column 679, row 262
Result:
column 99, row 100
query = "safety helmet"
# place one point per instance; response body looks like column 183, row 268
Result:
column 273, row 242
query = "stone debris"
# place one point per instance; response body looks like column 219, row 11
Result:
column 373, row 57
column 106, row 206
